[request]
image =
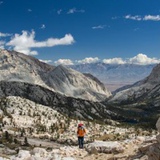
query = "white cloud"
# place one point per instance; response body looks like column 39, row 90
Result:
column 143, row 18
column 64, row 62
column 59, row 11
column 1, row 2
column 114, row 61
column 139, row 59
column 137, row 17
column 4, row 34
column 45, row 61
column 151, row 18
column 71, row 11
column 24, row 42
column 74, row 10
column 88, row 60
column 43, row 26
column 142, row 59
column 99, row 27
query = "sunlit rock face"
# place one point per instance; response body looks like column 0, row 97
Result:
column 18, row 67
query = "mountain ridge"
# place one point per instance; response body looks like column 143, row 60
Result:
column 140, row 101
column 72, row 107
column 140, row 88
column 115, row 76
column 23, row 68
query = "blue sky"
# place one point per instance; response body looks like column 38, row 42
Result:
column 82, row 31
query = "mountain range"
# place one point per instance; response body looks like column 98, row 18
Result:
column 115, row 76
column 147, row 90
column 139, row 101
column 65, row 90
column 78, row 95
column 18, row 67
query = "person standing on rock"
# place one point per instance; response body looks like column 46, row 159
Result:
column 81, row 133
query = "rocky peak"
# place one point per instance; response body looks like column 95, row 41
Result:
column 16, row 59
column 75, row 83
column 154, row 77
column 19, row 67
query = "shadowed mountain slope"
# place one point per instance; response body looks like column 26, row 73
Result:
column 72, row 107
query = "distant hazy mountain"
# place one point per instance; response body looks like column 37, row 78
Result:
column 18, row 67
column 146, row 90
column 115, row 75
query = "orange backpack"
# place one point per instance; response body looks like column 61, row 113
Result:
column 81, row 132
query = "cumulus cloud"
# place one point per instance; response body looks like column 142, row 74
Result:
column 25, row 41
column 74, row 10
column 114, row 61
column 64, row 62
column 99, row 27
column 143, row 59
column 4, row 34
column 140, row 59
column 88, row 60
column 45, row 61
column 143, row 18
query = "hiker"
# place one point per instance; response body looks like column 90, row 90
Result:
column 80, row 133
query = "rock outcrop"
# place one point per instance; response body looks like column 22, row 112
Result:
column 104, row 147
column 154, row 150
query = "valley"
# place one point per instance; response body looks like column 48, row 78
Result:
column 50, row 134
column 115, row 76
column 41, row 106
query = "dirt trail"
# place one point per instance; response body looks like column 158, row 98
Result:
column 43, row 143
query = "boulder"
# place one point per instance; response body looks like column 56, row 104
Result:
column 23, row 154
column 39, row 151
column 158, row 138
column 8, row 151
column 105, row 147
column 145, row 157
column 145, row 147
column 154, row 152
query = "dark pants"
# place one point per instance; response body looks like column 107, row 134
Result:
column 80, row 142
